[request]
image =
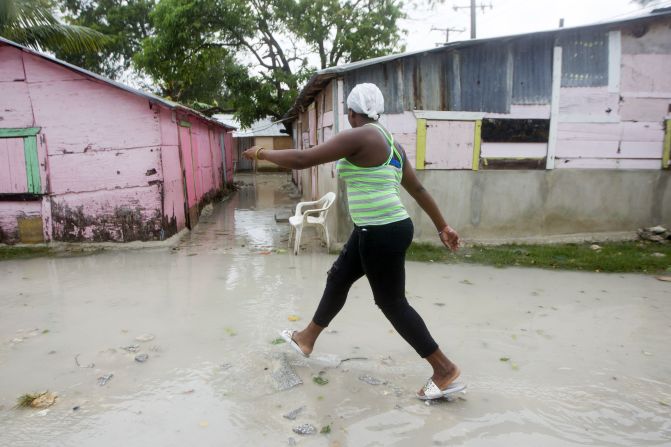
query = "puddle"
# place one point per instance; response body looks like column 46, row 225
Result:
column 597, row 372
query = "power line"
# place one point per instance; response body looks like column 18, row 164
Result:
column 447, row 33
column 473, row 7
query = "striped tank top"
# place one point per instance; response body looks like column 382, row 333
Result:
column 373, row 193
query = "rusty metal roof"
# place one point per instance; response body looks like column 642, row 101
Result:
column 535, row 93
column 151, row 97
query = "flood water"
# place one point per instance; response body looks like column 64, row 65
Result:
column 550, row 358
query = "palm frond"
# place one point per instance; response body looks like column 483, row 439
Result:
column 31, row 23
column 65, row 38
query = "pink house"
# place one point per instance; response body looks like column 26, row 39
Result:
column 84, row 158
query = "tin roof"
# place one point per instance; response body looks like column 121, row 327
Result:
column 321, row 78
column 151, row 97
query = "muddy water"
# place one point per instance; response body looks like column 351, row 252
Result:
column 586, row 357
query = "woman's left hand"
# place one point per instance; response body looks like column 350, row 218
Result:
column 449, row 238
column 250, row 154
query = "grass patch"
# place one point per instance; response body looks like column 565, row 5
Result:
column 613, row 257
column 26, row 400
column 10, row 252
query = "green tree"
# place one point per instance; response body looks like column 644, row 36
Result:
column 346, row 30
column 32, row 23
column 185, row 56
column 124, row 22
column 271, row 41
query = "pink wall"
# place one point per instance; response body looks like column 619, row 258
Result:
column 623, row 129
column 173, row 184
column 109, row 159
column 10, row 215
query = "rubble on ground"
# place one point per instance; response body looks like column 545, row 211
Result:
column 657, row 234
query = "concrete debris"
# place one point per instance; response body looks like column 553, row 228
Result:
column 131, row 348
column 370, row 380
column 657, row 234
column 141, row 358
column 293, row 414
column 90, row 365
column 283, row 374
column 103, row 380
column 305, row 429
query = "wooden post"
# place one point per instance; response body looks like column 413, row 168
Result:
column 477, row 138
column 421, row 143
column 554, row 107
column 614, row 60
column 666, row 155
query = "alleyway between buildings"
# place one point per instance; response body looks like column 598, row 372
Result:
column 550, row 358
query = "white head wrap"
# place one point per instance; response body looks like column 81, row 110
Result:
column 366, row 99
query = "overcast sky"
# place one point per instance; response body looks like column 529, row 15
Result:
column 508, row 17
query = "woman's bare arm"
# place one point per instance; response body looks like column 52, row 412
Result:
column 345, row 144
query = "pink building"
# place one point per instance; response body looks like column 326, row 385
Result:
column 84, row 158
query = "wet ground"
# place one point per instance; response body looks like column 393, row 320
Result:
column 550, row 358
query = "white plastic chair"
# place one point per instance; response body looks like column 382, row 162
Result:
column 315, row 217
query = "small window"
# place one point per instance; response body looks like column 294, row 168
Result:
column 514, row 143
column 515, row 130
column 19, row 168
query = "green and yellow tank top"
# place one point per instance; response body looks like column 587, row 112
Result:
column 373, row 193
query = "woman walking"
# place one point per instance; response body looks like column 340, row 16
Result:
column 373, row 166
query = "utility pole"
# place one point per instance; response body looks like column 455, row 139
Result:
column 472, row 7
column 447, row 32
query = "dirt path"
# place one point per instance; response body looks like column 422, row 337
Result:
column 550, row 358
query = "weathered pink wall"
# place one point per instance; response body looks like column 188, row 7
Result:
column 204, row 166
column 109, row 159
column 10, row 215
column 449, row 144
column 125, row 214
column 173, row 184
column 187, row 165
column 623, row 129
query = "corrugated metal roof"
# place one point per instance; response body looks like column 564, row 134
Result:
column 484, row 74
column 151, row 97
column 536, row 88
column 532, row 74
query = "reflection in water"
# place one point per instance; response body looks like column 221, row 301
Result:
column 248, row 220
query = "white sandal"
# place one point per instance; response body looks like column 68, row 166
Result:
column 431, row 390
column 288, row 336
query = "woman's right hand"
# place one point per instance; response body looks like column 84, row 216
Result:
column 449, row 238
column 252, row 153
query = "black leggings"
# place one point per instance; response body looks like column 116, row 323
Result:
column 379, row 253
